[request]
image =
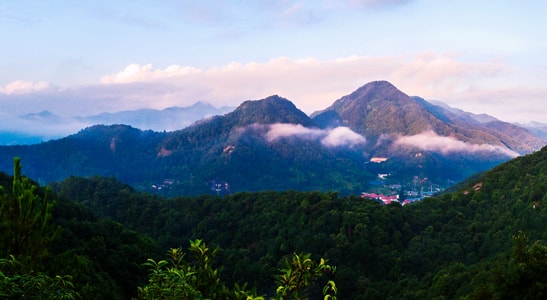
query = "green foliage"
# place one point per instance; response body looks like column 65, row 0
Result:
column 193, row 279
column 169, row 283
column 455, row 246
column 299, row 273
column 197, row 278
column 444, row 246
column 15, row 283
column 25, row 220
column 525, row 277
column 104, row 258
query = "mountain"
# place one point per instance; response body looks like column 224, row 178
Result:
column 462, row 114
column 45, row 115
column 517, row 137
column 539, row 129
column 169, row 119
column 34, row 128
column 376, row 136
column 263, row 144
column 378, row 109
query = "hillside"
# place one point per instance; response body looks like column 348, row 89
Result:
column 234, row 149
column 270, row 144
column 481, row 241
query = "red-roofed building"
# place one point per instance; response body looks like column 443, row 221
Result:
column 385, row 199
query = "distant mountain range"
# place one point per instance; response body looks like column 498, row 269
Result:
column 43, row 126
column 539, row 129
column 269, row 144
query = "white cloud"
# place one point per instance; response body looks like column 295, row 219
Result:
column 378, row 3
column 23, row 87
column 342, row 136
column 146, row 73
column 337, row 137
column 430, row 141
column 284, row 130
column 312, row 84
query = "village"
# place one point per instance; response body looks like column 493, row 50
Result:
column 385, row 190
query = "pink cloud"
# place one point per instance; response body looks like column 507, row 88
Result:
column 312, row 84
column 343, row 136
column 23, row 87
column 430, row 141
column 284, row 130
column 337, row 137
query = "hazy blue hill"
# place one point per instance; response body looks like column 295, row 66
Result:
column 33, row 128
column 170, row 119
column 539, row 129
column 42, row 116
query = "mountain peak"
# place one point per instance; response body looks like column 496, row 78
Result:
column 375, row 94
column 383, row 90
column 272, row 109
column 45, row 114
column 376, row 108
column 273, row 100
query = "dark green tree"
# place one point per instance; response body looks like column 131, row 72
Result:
column 25, row 220
column 526, row 275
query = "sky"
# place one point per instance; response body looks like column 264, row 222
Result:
column 78, row 58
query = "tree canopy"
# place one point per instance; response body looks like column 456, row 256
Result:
column 481, row 241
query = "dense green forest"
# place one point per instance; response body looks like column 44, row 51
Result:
column 101, row 239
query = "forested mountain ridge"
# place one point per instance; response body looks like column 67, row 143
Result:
column 518, row 138
column 270, row 144
column 482, row 241
column 379, row 108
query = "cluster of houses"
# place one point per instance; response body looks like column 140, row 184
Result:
column 384, row 199
column 220, row 186
column 166, row 184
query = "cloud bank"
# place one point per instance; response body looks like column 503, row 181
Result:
column 312, row 84
column 23, row 87
column 337, row 137
column 430, row 141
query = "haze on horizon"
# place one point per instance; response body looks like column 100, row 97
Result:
column 77, row 59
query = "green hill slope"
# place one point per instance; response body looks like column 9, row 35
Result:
column 461, row 244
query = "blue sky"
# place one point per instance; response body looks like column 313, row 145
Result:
column 80, row 58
